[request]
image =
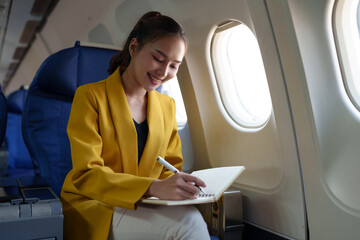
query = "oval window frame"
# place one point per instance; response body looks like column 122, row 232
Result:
column 238, row 119
column 348, row 50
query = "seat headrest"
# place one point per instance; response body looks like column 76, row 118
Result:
column 61, row 73
column 15, row 101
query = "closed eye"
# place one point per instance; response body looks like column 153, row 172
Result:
column 158, row 60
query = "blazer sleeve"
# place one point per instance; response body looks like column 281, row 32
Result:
column 90, row 176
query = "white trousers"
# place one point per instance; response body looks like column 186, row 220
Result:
column 158, row 223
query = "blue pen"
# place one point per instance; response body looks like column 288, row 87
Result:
column 173, row 169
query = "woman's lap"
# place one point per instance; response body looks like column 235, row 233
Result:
column 158, row 222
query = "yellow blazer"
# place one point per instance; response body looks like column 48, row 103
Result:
column 103, row 143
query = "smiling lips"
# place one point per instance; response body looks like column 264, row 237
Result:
column 154, row 80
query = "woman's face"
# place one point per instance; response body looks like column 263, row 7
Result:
column 156, row 62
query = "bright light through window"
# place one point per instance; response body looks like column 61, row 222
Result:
column 347, row 35
column 240, row 75
column 172, row 89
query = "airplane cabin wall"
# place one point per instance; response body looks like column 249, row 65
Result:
column 326, row 122
column 271, row 184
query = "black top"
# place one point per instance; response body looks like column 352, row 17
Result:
column 142, row 131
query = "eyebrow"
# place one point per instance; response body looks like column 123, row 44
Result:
column 165, row 56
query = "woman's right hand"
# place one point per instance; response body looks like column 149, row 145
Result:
column 180, row 186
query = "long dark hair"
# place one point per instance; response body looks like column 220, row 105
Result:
column 150, row 27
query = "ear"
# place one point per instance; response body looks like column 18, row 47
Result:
column 133, row 46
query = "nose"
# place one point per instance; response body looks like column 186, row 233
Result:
column 163, row 70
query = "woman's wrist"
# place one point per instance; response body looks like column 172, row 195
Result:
column 149, row 192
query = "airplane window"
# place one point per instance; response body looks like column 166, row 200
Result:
column 240, row 75
column 172, row 89
column 347, row 35
column 358, row 18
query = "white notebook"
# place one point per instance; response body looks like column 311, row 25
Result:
column 217, row 181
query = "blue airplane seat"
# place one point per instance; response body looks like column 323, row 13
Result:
column 3, row 116
column 19, row 161
column 48, row 103
column 3, row 119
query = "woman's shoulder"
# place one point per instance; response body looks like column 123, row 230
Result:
column 94, row 87
column 163, row 96
column 167, row 103
column 164, row 99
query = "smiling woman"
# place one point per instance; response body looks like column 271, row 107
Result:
column 151, row 66
column 117, row 129
column 155, row 63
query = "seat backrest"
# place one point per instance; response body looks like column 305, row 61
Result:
column 3, row 116
column 19, row 160
column 48, row 103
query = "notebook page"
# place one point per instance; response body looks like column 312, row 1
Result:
column 217, row 180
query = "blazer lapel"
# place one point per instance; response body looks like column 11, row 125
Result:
column 123, row 122
column 154, row 140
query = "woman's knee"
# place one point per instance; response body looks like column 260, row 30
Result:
column 192, row 225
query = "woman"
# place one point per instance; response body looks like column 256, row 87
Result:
column 117, row 128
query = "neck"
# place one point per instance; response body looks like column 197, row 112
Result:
column 131, row 87
column 136, row 97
